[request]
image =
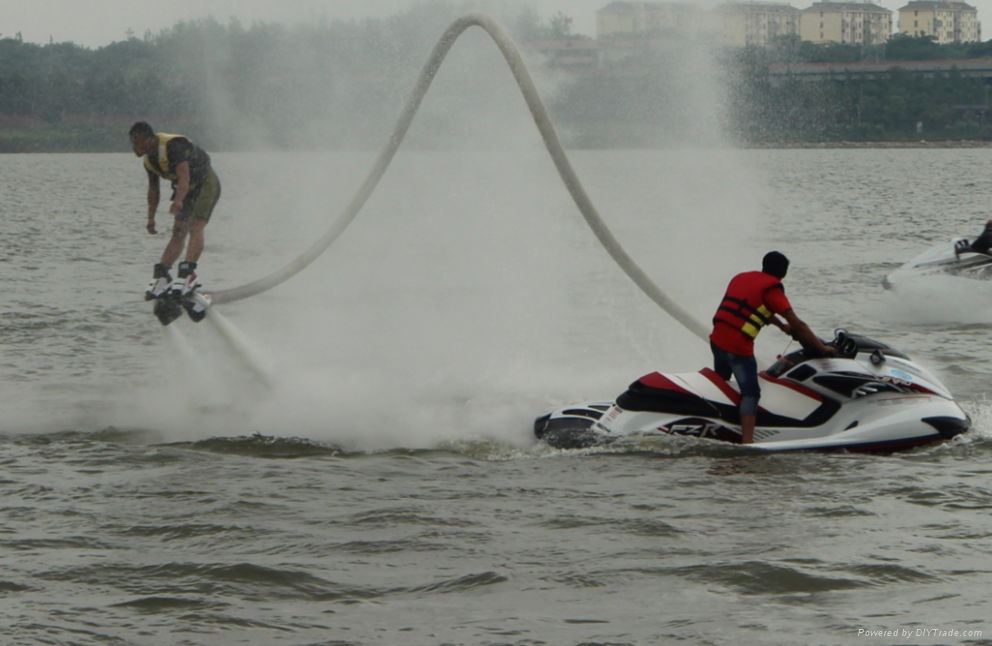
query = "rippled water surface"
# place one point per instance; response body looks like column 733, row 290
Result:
column 347, row 459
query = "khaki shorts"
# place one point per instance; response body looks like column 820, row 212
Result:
column 201, row 199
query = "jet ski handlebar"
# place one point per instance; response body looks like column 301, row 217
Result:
column 848, row 345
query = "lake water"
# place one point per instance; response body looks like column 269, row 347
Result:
column 347, row 458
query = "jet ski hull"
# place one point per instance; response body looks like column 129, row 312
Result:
column 563, row 430
column 953, row 258
column 871, row 398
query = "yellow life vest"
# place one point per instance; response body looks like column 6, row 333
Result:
column 162, row 170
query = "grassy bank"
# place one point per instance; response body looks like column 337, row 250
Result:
column 112, row 137
column 52, row 138
column 79, row 137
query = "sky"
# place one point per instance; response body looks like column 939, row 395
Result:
column 95, row 23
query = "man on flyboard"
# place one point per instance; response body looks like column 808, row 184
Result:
column 195, row 192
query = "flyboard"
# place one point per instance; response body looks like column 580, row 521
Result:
column 171, row 304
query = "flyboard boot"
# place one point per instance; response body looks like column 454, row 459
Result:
column 186, row 289
column 167, row 309
column 173, row 296
column 161, row 280
column 185, row 282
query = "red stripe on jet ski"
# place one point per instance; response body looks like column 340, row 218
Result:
column 660, row 381
column 799, row 388
column 722, row 384
column 922, row 389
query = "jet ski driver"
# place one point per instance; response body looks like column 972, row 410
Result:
column 981, row 244
column 752, row 300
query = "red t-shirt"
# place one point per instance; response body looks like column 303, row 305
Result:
column 747, row 293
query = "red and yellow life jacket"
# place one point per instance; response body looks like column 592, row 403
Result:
column 743, row 310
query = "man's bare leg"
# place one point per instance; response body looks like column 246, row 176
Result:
column 176, row 243
column 195, row 246
column 186, row 280
column 747, row 428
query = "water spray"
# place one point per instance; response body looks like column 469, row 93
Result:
column 551, row 142
column 241, row 347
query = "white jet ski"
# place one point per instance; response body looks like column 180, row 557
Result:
column 959, row 257
column 870, row 397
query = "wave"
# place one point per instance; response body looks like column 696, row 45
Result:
column 96, row 446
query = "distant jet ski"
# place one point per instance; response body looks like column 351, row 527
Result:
column 870, row 397
column 959, row 257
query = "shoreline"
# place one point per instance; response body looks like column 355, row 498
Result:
column 107, row 139
column 922, row 143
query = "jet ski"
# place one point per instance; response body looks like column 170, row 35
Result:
column 959, row 257
column 870, row 397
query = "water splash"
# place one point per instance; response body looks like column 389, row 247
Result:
column 936, row 299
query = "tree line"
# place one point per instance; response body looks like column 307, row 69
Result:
column 342, row 83
column 898, row 105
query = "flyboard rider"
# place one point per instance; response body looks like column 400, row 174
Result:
column 752, row 300
column 195, row 191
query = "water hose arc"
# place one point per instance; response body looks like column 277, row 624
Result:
column 551, row 142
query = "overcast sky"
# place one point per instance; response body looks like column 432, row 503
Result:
column 94, row 23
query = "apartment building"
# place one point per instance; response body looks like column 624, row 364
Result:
column 946, row 21
column 756, row 23
column 849, row 23
column 748, row 22
column 649, row 18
